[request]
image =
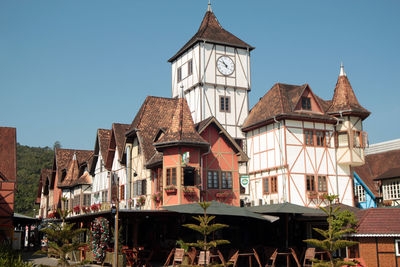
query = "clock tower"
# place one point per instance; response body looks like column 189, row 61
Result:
column 212, row 71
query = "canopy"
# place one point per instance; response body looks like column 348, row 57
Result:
column 285, row 208
column 218, row 208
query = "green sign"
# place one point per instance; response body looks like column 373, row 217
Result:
column 244, row 180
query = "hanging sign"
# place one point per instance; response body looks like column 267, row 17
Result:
column 244, row 180
column 185, row 158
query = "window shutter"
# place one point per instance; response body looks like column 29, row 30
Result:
column 134, row 189
column 144, row 183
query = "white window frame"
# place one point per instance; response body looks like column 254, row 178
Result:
column 397, row 245
column 360, row 192
column 391, row 189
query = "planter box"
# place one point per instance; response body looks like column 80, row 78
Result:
column 171, row 191
column 222, row 195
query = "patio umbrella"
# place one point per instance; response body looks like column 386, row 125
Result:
column 285, row 208
column 218, row 208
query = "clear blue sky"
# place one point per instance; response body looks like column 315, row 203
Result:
column 68, row 68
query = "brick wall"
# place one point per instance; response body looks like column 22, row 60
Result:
column 378, row 252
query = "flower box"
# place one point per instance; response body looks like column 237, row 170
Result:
column 157, row 197
column 222, row 194
column 170, row 190
column 189, row 192
column 77, row 209
column 95, row 207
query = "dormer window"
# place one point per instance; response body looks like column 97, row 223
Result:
column 179, row 74
column 64, row 173
column 306, row 103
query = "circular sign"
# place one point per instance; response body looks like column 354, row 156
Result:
column 244, row 180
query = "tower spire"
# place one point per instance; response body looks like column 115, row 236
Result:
column 342, row 73
column 209, row 6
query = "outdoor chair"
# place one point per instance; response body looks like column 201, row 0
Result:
column 204, row 258
column 234, row 258
column 170, row 255
column 308, row 257
column 192, row 255
column 257, row 258
column 271, row 261
column 178, row 256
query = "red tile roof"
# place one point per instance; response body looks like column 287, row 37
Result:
column 104, row 136
column 119, row 130
column 378, row 221
column 280, row 102
column 63, row 157
column 345, row 101
column 211, row 31
column 181, row 128
column 375, row 166
column 8, row 154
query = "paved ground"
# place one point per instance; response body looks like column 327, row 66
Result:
column 44, row 260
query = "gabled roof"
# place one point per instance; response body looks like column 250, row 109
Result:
column 154, row 114
column 44, row 174
column 119, row 130
column 8, row 154
column 181, row 130
column 344, row 99
column 104, row 136
column 72, row 173
column 101, row 147
column 116, row 143
column 378, row 222
column 202, row 125
column 280, row 102
column 63, row 157
column 389, row 174
column 211, row 31
column 375, row 166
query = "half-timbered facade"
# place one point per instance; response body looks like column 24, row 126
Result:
column 212, row 71
column 178, row 162
column 8, row 180
column 101, row 174
column 302, row 147
column 116, row 163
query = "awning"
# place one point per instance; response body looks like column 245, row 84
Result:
column 285, row 208
column 218, row 208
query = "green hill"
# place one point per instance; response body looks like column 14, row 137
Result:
column 30, row 161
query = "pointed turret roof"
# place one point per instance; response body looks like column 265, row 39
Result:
column 211, row 31
column 344, row 99
column 181, row 129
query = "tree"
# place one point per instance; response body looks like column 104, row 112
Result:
column 56, row 145
column 62, row 238
column 205, row 228
column 339, row 224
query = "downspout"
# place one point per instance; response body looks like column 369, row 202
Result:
column 128, row 172
column 336, row 147
column 204, row 82
column 202, row 173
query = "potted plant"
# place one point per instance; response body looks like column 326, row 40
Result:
column 86, row 209
column 170, row 190
column 157, row 197
column 141, row 201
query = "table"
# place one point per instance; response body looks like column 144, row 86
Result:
column 250, row 254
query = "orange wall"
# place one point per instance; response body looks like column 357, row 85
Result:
column 221, row 158
column 370, row 248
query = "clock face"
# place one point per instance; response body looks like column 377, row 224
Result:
column 225, row 65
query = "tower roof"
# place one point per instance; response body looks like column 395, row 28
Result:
column 181, row 129
column 344, row 99
column 211, row 31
